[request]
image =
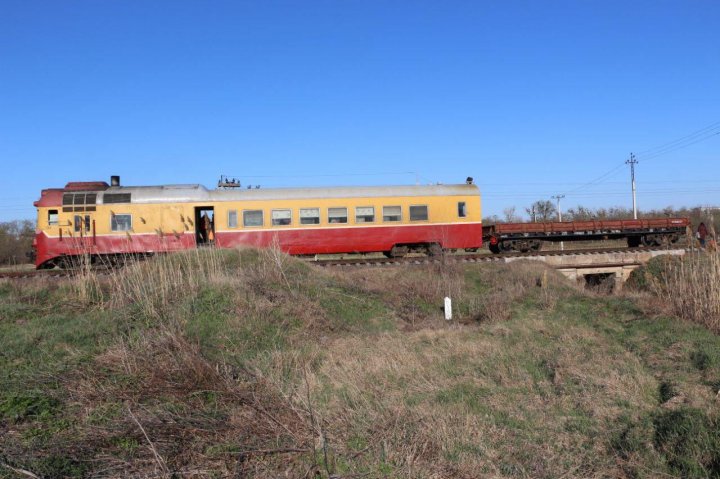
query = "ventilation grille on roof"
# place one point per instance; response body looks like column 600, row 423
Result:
column 114, row 198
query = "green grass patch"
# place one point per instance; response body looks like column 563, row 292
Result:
column 467, row 395
column 25, row 406
column 354, row 310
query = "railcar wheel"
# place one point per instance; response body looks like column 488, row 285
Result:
column 397, row 251
column 434, row 249
column 633, row 241
column 64, row 262
column 494, row 248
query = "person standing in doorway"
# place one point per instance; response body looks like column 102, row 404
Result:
column 702, row 233
column 204, row 228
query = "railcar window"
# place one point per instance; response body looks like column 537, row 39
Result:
column 52, row 217
column 310, row 216
column 392, row 213
column 252, row 218
column 462, row 209
column 67, row 202
column 87, row 223
column 365, row 214
column 77, row 222
column 281, row 217
column 419, row 213
column 232, row 219
column 121, row 222
column 115, row 198
column 337, row 215
column 78, row 202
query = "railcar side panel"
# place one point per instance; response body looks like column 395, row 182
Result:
column 162, row 224
column 355, row 239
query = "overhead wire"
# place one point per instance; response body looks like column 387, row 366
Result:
column 701, row 131
column 597, row 180
column 697, row 136
column 680, row 145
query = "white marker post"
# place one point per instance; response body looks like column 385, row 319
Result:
column 448, row 308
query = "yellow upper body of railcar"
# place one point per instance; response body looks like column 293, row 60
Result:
column 299, row 220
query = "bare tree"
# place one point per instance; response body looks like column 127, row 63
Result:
column 15, row 240
column 580, row 213
column 541, row 210
column 509, row 215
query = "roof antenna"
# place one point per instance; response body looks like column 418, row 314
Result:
column 226, row 183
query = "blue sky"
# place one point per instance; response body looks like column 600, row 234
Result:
column 530, row 98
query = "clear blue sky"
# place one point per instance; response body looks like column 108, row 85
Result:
column 531, row 98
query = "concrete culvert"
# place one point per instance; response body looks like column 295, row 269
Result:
column 600, row 282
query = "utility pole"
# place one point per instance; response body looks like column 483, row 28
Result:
column 559, row 211
column 558, row 198
column 632, row 162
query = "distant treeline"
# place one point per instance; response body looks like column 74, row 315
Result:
column 15, row 241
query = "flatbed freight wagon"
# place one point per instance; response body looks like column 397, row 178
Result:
column 530, row 236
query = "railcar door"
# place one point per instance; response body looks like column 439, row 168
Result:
column 204, row 226
column 82, row 224
column 84, row 231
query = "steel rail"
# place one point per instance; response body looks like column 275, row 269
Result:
column 476, row 258
column 381, row 262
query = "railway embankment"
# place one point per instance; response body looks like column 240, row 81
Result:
column 254, row 364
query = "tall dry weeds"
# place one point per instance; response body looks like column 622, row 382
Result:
column 85, row 283
column 152, row 285
column 692, row 288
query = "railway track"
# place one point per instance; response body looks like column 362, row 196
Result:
column 43, row 273
column 472, row 258
column 377, row 262
column 47, row 273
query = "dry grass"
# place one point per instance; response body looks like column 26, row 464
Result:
column 199, row 418
column 152, row 285
column 487, row 293
column 253, row 364
column 458, row 402
column 691, row 287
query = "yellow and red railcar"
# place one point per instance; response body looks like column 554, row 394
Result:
column 101, row 220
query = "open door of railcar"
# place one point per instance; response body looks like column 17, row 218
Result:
column 204, row 226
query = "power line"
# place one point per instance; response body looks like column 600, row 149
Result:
column 681, row 145
column 701, row 131
column 698, row 136
column 597, row 180
column 616, row 192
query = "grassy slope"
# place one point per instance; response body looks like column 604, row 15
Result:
column 252, row 363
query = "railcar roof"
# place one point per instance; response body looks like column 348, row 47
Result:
column 198, row 193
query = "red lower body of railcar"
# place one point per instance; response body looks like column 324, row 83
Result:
column 297, row 241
